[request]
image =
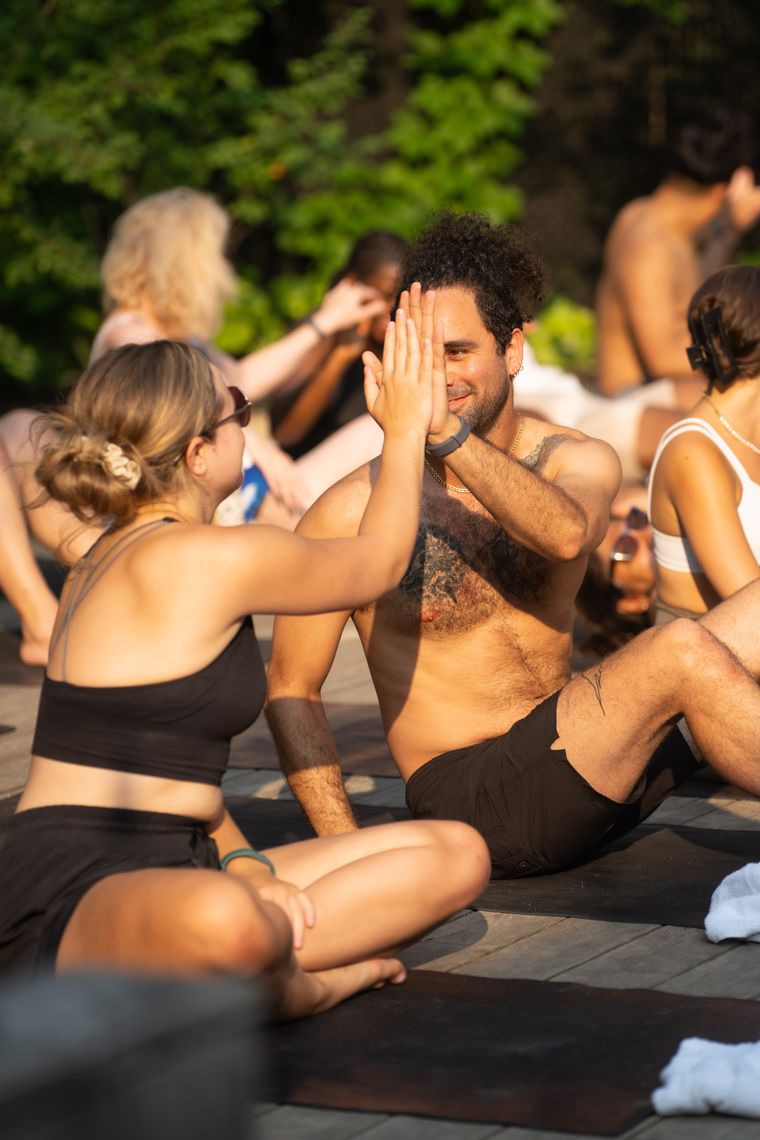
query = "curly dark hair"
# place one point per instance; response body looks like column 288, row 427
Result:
column 471, row 252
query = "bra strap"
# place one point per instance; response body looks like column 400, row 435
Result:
column 88, row 575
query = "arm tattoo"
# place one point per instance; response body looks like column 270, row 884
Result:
column 537, row 459
column 596, row 684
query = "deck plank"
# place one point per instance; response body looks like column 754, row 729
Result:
column 557, row 948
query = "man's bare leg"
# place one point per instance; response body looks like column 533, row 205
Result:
column 612, row 717
column 736, row 622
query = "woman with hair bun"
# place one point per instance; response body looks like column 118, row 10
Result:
column 704, row 497
column 121, row 854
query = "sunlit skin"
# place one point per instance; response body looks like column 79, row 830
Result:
column 323, row 925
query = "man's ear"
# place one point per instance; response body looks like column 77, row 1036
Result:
column 195, row 455
column 513, row 356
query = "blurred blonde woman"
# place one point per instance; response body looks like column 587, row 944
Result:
column 121, row 854
column 165, row 274
column 704, row 499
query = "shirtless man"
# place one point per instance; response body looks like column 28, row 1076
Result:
column 659, row 250
column 470, row 655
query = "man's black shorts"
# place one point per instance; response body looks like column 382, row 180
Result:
column 536, row 813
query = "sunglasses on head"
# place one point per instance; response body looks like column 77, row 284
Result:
column 627, row 543
column 241, row 415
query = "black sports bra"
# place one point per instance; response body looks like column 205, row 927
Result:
column 178, row 729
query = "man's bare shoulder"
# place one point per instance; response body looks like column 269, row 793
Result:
column 638, row 226
column 551, row 446
column 338, row 511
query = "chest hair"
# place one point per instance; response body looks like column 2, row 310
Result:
column 465, row 569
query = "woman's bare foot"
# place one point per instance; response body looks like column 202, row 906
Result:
column 35, row 633
column 310, row 993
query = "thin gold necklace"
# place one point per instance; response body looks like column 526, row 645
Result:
column 732, row 430
column 466, row 490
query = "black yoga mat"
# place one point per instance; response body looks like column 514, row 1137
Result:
column 653, row 875
column 270, row 823
column 537, row 1054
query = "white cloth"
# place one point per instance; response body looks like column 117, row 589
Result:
column 735, row 906
column 707, row 1076
column 561, row 398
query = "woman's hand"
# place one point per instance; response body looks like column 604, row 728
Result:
column 399, row 392
column 295, row 903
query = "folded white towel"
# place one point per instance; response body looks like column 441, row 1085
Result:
column 706, row 1076
column 735, row 906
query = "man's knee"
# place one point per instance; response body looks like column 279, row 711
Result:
column 688, row 651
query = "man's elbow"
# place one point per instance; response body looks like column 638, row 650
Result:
column 572, row 541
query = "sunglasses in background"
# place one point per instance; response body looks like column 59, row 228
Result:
column 241, row 415
column 626, row 545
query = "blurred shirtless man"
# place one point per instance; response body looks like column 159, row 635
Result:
column 470, row 655
column 660, row 248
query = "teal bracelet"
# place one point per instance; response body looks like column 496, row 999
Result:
column 246, row 853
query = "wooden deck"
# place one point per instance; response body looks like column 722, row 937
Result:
column 607, row 954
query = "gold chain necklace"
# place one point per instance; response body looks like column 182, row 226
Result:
column 732, row 430
column 466, row 490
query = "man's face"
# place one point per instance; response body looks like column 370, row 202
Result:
column 478, row 374
column 635, row 578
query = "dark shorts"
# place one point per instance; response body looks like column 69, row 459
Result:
column 51, row 856
column 536, row 813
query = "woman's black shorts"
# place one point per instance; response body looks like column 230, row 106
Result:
column 535, row 811
column 51, row 856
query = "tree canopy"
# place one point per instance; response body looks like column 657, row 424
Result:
column 315, row 120
column 310, row 122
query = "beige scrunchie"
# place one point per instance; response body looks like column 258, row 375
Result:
column 120, row 465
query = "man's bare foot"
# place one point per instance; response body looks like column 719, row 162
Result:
column 34, row 652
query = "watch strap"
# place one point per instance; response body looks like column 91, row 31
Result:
column 437, row 450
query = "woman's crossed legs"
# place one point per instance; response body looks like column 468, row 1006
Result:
column 373, row 890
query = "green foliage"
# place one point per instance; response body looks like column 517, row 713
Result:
column 566, row 337
column 104, row 101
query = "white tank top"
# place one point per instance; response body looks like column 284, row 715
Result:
column 674, row 552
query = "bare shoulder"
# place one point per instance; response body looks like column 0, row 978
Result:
column 125, row 327
column 691, row 455
column 338, row 511
column 638, row 229
column 553, row 448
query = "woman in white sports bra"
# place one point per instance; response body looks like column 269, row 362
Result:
column 704, row 490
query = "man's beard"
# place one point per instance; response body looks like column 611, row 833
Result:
column 482, row 416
